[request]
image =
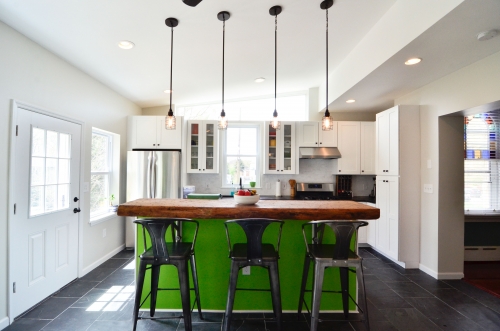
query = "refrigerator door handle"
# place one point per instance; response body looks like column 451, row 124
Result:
column 154, row 168
column 148, row 176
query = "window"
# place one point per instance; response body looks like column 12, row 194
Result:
column 481, row 166
column 104, row 176
column 241, row 154
column 50, row 171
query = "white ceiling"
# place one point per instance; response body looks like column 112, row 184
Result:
column 86, row 33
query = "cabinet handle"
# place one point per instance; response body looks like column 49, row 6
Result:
column 362, row 171
column 199, row 169
column 154, row 144
column 340, row 170
column 203, row 169
column 316, row 143
column 321, row 143
column 158, row 144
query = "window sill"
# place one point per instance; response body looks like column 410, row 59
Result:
column 102, row 218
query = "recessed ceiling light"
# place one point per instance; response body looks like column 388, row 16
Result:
column 260, row 79
column 413, row 61
column 167, row 91
column 351, row 101
column 125, row 44
column 487, row 35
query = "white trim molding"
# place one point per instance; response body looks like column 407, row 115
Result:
column 103, row 259
column 4, row 322
column 441, row 275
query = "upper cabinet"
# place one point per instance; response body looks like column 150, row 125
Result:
column 202, row 147
column 148, row 132
column 280, row 149
column 356, row 143
column 310, row 134
column 387, row 159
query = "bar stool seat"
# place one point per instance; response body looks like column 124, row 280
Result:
column 253, row 253
column 338, row 255
column 161, row 252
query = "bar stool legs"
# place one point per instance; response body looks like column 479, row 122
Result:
column 231, row 292
column 196, row 288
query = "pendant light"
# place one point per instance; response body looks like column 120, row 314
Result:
column 327, row 123
column 170, row 118
column 223, row 16
column 275, row 11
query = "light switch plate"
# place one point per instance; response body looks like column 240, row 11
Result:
column 428, row 188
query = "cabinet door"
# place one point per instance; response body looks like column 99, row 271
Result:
column 308, row 134
column 371, row 232
column 328, row 138
column 168, row 139
column 382, row 234
column 272, row 152
column 367, row 148
column 382, row 151
column 287, row 148
column 211, row 132
column 144, row 132
column 393, row 216
column 349, row 147
column 195, row 147
column 393, row 141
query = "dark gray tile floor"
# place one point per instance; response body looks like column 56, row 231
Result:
column 398, row 299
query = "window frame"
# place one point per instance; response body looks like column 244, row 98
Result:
column 113, row 173
column 258, row 155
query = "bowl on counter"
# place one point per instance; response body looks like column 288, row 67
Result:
column 246, row 199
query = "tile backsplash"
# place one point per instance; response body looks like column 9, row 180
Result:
column 311, row 171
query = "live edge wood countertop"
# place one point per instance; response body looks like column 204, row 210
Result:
column 229, row 209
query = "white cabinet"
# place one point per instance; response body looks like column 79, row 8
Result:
column 148, row 132
column 279, row 146
column 387, row 157
column 387, row 232
column 202, row 147
column 310, row 134
column 365, row 232
column 356, row 143
column 397, row 232
column 367, row 147
column 349, row 146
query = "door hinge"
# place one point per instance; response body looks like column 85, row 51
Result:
column 15, row 207
column 14, row 287
column 17, row 130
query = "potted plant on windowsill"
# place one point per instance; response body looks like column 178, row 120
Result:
column 112, row 208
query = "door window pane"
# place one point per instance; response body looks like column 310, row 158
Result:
column 50, row 165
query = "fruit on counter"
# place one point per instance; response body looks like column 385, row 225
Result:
column 246, row 192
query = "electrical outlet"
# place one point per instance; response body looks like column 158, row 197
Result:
column 284, row 185
column 104, row 233
column 428, row 188
column 207, row 186
column 246, row 271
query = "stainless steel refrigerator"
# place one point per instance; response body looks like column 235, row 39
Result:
column 151, row 174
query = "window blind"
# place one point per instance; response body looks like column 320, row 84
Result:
column 481, row 162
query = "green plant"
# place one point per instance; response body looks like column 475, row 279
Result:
column 111, row 198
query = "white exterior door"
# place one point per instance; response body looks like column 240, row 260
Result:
column 43, row 227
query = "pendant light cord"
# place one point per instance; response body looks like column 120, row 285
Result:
column 275, row 59
column 223, row 49
column 327, row 112
column 171, row 64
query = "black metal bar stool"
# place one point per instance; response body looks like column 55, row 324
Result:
column 254, row 253
column 338, row 255
column 161, row 252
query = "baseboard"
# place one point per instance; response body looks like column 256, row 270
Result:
column 102, row 260
column 441, row 275
column 4, row 322
column 401, row 264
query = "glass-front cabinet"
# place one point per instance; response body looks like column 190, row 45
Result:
column 203, row 147
column 280, row 149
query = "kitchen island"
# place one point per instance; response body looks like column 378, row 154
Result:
column 212, row 252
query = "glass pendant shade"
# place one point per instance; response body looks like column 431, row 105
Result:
column 222, row 121
column 170, row 120
column 275, row 123
column 327, row 123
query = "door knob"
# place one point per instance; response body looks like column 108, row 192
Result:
column 75, row 199
column 76, row 210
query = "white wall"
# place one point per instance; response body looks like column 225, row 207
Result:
column 31, row 74
column 441, row 252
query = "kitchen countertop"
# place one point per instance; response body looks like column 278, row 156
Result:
column 286, row 209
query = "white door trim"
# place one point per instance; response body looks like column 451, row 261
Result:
column 15, row 106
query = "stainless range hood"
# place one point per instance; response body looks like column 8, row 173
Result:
column 319, row 153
